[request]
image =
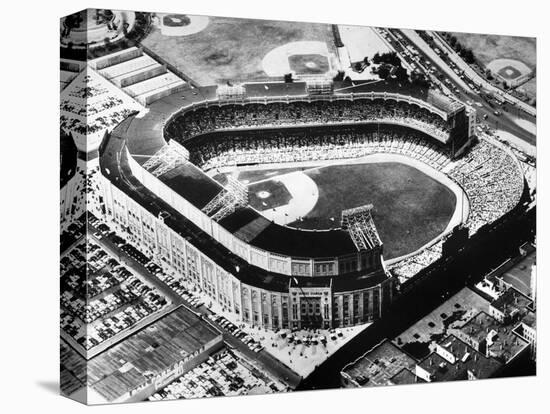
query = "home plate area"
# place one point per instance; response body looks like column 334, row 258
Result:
column 300, row 58
column 286, row 198
column 509, row 69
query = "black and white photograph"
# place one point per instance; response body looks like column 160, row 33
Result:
column 253, row 206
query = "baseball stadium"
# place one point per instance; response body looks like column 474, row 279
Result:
column 289, row 204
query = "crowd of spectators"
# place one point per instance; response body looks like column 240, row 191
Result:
column 493, row 183
column 409, row 267
column 223, row 374
column 492, row 180
column 279, row 147
column 214, row 118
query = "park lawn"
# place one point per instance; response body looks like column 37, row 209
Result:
column 487, row 48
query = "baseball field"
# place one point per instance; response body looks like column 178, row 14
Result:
column 410, row 208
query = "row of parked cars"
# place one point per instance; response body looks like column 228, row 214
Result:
column 101, row 297
column 221, row 375
column 175, row 284
column 105, row 329
column 237, row 332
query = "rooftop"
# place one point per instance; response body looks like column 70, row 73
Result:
column 511, row 301
column 530, row 319
column 502, row 344
column 379, row 365
column 451, row 315
column 405, row 376
column 466, row 359
column 148, row 352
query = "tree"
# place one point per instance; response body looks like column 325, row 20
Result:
column 383, row 71
column 376, row 58
column 452, row 41
column 358, row 66
column 401, row 74
column 419, row 80
column 339, row 76
column 288, row 78
column 468, row 55
column 391, row 58
column 366, row 61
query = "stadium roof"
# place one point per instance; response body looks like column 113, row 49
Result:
column 192, row 184
column 251, row 226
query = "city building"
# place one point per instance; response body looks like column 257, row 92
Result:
column 385, row 364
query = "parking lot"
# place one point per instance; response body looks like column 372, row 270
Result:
column 102, row 300
column 224, row 374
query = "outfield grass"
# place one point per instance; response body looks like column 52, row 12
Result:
column 410, row 208
column 232, row 49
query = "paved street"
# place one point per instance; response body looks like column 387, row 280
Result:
column 504, row 122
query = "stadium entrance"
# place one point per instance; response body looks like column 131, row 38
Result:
column 311, row 307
